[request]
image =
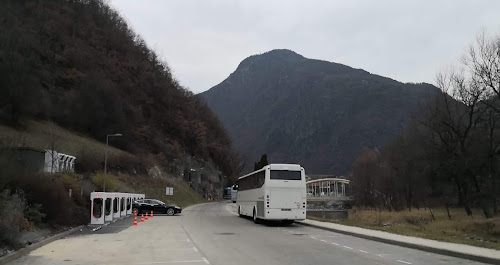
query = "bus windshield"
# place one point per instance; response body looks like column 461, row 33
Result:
column 286, row 175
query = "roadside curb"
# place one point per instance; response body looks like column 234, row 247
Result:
column 24, row 251
column 442, row 251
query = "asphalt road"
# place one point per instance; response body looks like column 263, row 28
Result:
column 213, row 234
column 225, row 238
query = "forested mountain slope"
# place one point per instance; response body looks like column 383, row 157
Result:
column 79, row 64
column 316, row 113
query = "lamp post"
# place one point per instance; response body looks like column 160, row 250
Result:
column 106, row 158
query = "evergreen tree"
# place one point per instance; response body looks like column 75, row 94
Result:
column 261, row 163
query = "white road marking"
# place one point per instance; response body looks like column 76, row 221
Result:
column 174, row 261
column 187, row 240
column 323, row 241
column 175, row 241
column 362, row 251
column 195, row 249
column 175, row 249
column 347, row 247
column 335, row 244
column 402, row 261
column 313, row 237
column 206, row 261
column 230, row 210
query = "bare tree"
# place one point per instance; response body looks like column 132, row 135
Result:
column 483, row 63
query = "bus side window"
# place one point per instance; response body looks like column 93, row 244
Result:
column 260, row 179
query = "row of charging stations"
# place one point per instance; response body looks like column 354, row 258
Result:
column 110, row 206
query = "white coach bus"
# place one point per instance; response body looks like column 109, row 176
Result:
column 275, row 192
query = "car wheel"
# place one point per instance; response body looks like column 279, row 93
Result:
column 170, row 211
column 255, row 219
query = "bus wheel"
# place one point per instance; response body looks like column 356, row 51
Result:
column 255, row 219
column 287, row 222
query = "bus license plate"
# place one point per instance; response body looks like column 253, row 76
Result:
column 286, row 210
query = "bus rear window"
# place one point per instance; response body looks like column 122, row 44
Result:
column 286, row 175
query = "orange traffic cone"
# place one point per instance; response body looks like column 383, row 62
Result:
column 142, row 218
column 151, row 213
column 135, row 220
column 147, row 216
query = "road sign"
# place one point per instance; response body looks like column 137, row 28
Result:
column 169, row 191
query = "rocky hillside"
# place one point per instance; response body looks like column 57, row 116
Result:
column 316, row 113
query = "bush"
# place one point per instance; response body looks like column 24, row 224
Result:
column 98, row 180
column 34, row 214
column 71, row 181
column 12, row 221
column 50, row 192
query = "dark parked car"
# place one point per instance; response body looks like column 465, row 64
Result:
column 158, row 207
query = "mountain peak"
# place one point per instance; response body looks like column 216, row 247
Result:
column 275, row 56
column 283, row 53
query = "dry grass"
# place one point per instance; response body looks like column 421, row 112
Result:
column 46, row 135
column 155, row 188
column 476, row 230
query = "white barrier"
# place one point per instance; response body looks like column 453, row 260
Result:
column 97, row 208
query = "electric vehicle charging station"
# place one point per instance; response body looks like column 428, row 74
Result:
column 129, row 203
column 108, row 207
column 97, row 208
column 123, row 204
column 116, row 206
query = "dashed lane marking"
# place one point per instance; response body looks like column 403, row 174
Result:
column 402, row 261
column 175, row 249
column 174, row 261
column 313, row 237
column 323, row 241
column 347, row 247
column 195, row 249
column 335, row 244
column 362, row 251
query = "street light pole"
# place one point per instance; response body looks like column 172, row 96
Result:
column 106, row 159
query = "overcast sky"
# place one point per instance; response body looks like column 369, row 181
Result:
column 203, row 41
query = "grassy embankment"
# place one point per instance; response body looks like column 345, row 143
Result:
column 476, row 230
column 46, row 135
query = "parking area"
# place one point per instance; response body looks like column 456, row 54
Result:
column 160, row 240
